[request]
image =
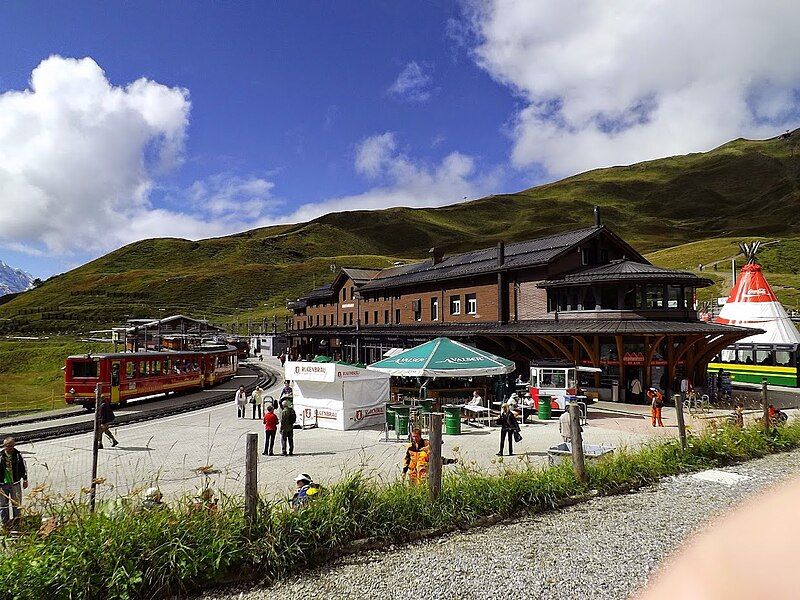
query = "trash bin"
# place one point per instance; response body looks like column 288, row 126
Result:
column 615, row 391
column 390, row 416
column 545, row 410
column 452, row 419
column 401, row 424
column 426, row 405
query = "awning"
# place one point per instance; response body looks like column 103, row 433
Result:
column 444, row 357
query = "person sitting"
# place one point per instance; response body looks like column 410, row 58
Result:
column 306, row 490
column 153, row 499
column 476, row 399
column 415, row 461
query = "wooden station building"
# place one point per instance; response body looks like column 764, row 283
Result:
column 585, row 296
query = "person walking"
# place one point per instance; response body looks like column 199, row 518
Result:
column 508, row 428
column 106, row 418
column 287, row 393
column 270, row 430
column 656, row 403
column 241, row 401
column 288, row 418
column 13, row 479
column 257, row 400
column 636, row 389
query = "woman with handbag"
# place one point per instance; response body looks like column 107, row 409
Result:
column 509, row 428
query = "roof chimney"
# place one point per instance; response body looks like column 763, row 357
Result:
column 597, row 216
column 501, row 253
column 437, row 254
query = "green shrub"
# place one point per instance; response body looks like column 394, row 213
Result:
column 124, row 553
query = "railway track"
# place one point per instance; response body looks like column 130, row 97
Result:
column 38, row 429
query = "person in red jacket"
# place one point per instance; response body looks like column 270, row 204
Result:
column 270, row 430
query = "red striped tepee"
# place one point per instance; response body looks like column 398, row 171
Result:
column 752, row 303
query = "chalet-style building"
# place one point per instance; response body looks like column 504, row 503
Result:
column 584, row 296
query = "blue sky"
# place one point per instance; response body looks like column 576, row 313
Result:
column 276, row 112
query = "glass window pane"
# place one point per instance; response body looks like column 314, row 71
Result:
column 783, row 358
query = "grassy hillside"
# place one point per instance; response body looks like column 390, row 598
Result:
column 30, row 372
column 743, row 189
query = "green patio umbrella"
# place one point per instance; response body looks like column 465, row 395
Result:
column 443, row 357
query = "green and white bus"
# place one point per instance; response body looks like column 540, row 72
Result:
column 751, row 363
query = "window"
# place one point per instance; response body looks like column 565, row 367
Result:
column 745, row 356
column 324, row 320
column 386, row 316
column 157, row 367
column 553, row 378
column 455, row 305
column 375, row 317
column 608, row 297
column 85, row 368
column 317, row 320
column 366, row 317
column 130, row 370
column 629, row 298
column 434, row 309
column 416, row 306
column 674, row 296
column 472, row 304
column 344, row 294
column 783, row 358
column 396, row 315
column 765, row 357
column 352, row 292
column 654, row 296
column 589, row 300
column 350, row 318
column 588, row 256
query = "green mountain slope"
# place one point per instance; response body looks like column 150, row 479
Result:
column 742, row 189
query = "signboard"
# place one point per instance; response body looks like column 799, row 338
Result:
column 310, row 371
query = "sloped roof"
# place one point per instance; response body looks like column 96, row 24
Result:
column 323, row 291
column 529, row 253
column 360, row 275
column 625, row 270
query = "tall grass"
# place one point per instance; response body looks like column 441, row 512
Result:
column 130, row 553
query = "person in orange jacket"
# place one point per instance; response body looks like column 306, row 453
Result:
column 415, row 462
column 656, row 402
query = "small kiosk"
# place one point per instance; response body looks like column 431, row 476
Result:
column 338, row 395
column 558, row 381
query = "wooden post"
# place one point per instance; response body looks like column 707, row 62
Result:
column 577, row 442
column 435, row 461
column 681, row 423
column 765, row 404
column 251, row 479
column 95, row 449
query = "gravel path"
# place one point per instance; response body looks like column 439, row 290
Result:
column 605, row 548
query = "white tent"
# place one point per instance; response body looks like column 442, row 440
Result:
column 338, row 396
column 752, row 303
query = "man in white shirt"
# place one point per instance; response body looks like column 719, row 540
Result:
column 476, row 399
column 241, row 401
column 564, row 426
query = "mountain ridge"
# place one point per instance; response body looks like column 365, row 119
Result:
column 13, row 280
column 744, row 188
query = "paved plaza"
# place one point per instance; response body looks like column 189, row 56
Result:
column 169, row 451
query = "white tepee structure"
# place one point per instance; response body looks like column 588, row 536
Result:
column 752, row 303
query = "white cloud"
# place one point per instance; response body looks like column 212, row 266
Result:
column 77, row 156
column 232, row 198
column 413, row 84
column 404, row 181
column 624, row 80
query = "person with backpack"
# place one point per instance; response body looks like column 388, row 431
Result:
column 257, row 400
column 106, row 418
column 306, row 490
column 656, row 403
column 288, row 419
column 509, row 428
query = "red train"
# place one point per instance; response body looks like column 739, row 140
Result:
column 129, row 375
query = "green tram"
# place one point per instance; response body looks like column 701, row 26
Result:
column 751, row 363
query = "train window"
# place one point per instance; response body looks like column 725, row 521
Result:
column 166, row 365
column 728, row 355
column 746, row 356
column 157, row 367
column 84, row 368
column 765, row 357
column 130, row 370
column 144, row 368
column 195, row 366
column 783, row 358
column 553, row 379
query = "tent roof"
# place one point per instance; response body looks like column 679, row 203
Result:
column 752, row 303
column 443, row 357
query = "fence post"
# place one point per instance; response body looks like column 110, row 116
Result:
column 251, row 479
column 681, row 424
column 96, row 430
column 765, row 404
column 435, row 462
column 576, row 435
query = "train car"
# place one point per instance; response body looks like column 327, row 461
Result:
column 558, row 381
column 242, row 346
column 751, row 363
column 129, row 375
